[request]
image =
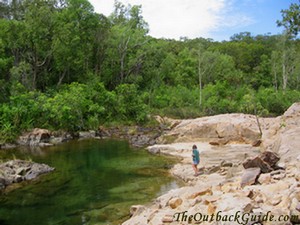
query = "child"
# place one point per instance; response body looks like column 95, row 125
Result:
column 196, row 159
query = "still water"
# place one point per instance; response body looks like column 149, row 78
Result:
column 95, row 182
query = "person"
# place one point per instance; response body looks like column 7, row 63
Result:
column 196, row 159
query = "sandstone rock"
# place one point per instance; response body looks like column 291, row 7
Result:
column 136, row 209
column 210, row 199
column 175, row 202
column 249, row 176
column 219, row 141
column 196, row 201
column 202, row 192
column 229, row 127
column 298, row 207
column 276, row 200
column 265, row 161
column 264, row 178
column 282, row 136
column 256, row 143
column 248, row 208
column 167, row 219
column 213, row 169
column 211, row 209
column 226, row 164
column 279, row 176
column 35, row 137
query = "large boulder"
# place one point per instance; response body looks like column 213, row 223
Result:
column 240, row 128
column 266, row 161
column 35, row 137
column 281, row 134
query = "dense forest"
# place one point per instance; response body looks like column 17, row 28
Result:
column 65, row 67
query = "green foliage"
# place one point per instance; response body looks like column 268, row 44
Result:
column 276, row 102
column 63, row 66
column 290, row 19
column 129, row 104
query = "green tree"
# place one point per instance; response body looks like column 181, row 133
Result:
column 127, row 36
column 75, row 30
column 291, row 19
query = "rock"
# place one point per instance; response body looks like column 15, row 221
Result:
column 45, row 144
column 275, row 201
column 15, row 171
column 250, row 194
column 298, row 207
column 226, row 164
column 22, row 170
column 264, row 178
column 17, row 179
column 202, row 192
column 2, row 183
column 167, row 219
column 210, row 199
column 211, row 209
column 250, row 176
column 7, row 146
column 139, row 140
column 136, row 209
column 256, row 143
column 270, row 157
column 154, row 150
column 278, row 176
column 87, row 134
column 216, row 129
column 56, row 140
column 35, row 137
column 265, row 161
column 282, row 135
column 175, row 202
column 248, row 208
column 219, row 141
column 36, row 170
column 196, row 201
column 214, row 169
column 103, row 133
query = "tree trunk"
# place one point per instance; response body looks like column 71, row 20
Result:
column 200, row 84
column 284, row 72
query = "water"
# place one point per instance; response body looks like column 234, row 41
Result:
column 95, row 182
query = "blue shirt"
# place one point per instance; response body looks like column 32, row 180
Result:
column 196, row 155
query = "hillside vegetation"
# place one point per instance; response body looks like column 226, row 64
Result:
column 63, row 66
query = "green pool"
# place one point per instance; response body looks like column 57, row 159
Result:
column 95, row 182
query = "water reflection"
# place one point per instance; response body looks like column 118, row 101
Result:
column 92, row 179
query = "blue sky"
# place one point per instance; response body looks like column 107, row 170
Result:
column 216, row 19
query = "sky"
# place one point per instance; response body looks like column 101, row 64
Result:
column 215, row 19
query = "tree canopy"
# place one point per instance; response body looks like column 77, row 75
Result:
column 64, row 66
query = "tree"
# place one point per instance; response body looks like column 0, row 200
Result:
column 127, row 36
column 75, row 31
column 284, row 61
column 291, row 19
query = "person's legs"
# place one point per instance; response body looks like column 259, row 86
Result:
column 195, row 168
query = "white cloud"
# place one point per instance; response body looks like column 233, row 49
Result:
column 183, row 18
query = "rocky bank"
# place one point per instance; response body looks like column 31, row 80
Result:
column 249, row 172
